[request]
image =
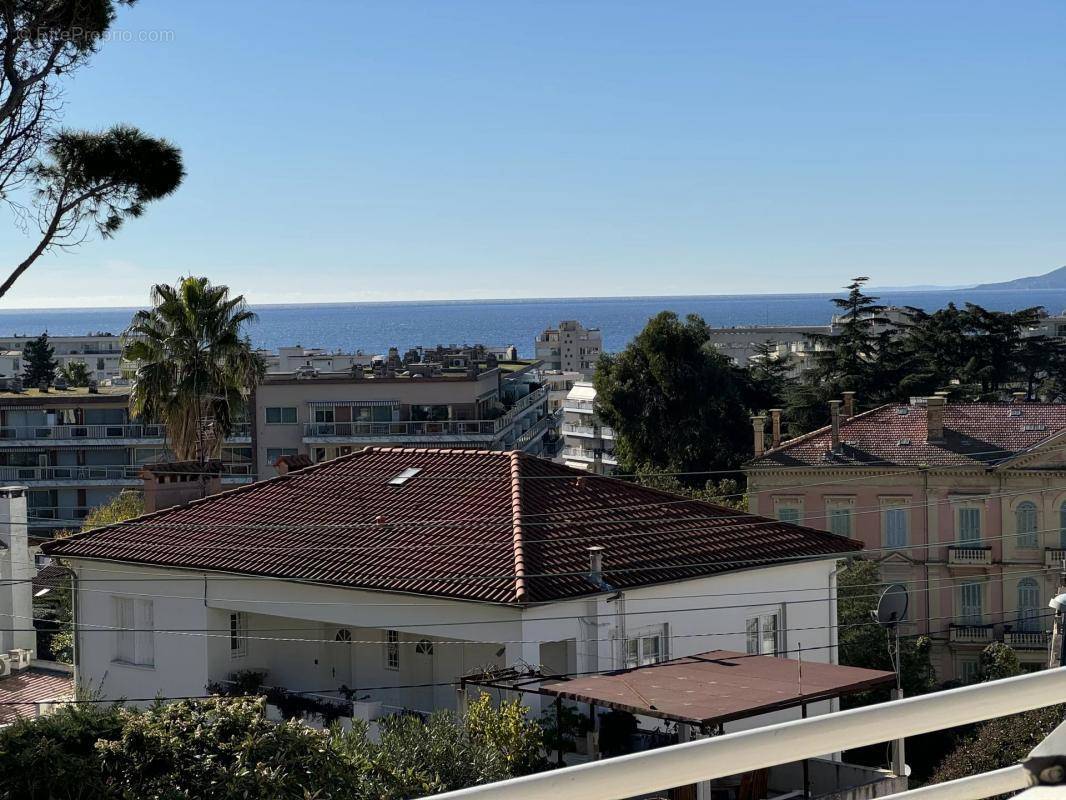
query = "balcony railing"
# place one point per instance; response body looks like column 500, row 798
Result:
column 1053, row 556
column 1026, row 640
column 580, row 406
column 598, row 431
column 654, row 771
column 586, row 454
column 74, row 432
column 103, row 473
column 56, row 516
column 965, row 633
column 962, row 555
column 375, row 430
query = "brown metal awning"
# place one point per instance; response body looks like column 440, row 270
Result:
column 716, row 687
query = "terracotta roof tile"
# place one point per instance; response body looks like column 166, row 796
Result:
column 500, row 527
column 31, row 686
column 975, row 434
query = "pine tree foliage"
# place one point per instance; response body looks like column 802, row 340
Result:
column 38, row 362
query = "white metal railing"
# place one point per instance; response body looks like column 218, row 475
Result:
column 373, row 430
column 579, row 405
column 785, row 743
column 100, row 472
column 121, row 430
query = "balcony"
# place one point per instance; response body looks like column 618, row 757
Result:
column 971, row 634
column 57, row 516
column 963, row 556
column 465, row 430
column 579, row 406
column 104, row 474
column 1053, row 556
column 1026, row 640
column 82, row 434
column 586, row 454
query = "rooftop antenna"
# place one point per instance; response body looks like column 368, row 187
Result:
column 891, row 611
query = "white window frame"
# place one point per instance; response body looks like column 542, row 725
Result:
column 134, row 624
column 1029, row 606
column 238, row 634
column 969, row 613
column 649, row 645
column 392, row 650
column 895, row 508
column 761, row 629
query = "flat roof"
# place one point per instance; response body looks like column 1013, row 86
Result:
column 717, row 686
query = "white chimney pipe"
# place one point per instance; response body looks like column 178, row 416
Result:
column 596, row 564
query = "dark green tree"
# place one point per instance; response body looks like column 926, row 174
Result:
column 995, row 343
column 770, row 375
column 675, row 403
column 863, row 643
column 998, row 661
column 66, row 183
column 936, row 350
column 38, row 362
column 75, row 373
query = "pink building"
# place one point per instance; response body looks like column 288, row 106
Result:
column 964, row 504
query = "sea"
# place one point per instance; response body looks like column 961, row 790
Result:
column 374, row 327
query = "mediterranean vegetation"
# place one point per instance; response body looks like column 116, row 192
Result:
column 226, row 749
column 63, row 185
column 195, row 364
column 38, row 362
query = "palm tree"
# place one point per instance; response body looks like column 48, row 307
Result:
column 195, row 366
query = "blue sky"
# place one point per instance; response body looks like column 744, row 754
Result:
column 402, row 149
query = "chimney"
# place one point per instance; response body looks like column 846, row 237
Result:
column 173, row 483
column 934, row 414
column 834, row 418
column 1020, row 397
column 758, row 424
column 286, row 464
column 596, row 564
column 16, row 573
column 775, row 427
column 849, row 404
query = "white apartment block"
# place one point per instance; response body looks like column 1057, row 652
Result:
column 100, row 352
column 588, row 444
column 570, row 348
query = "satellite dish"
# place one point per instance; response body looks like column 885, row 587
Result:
column 892, row 606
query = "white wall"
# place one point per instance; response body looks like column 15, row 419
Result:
column 293, row 627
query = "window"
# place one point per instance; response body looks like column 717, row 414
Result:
column 840, row 521
column 392, row 649
column 100, row 364
column 238, row 635
column 1028, row 604
column 967, row 670
column 789, row 514
column 1025, row 524
column 324, row 415
column 968, row 521
column 894, row 519
column 971, row 603
column 134, row 631
column 647, row 647
column 281, row 415
column 762, row 632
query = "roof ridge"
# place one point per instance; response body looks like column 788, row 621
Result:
column 806, row 437
column 516, row 522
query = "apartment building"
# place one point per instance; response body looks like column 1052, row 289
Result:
column 76, row 448
column 588, row 444
column 963, row 504
column 100, row 352
column 466, row 402
column 570, row 348
column 559, row 384
column 298, row 358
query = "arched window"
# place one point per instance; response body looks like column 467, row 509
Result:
column 1028, row 604
column 1025, row 524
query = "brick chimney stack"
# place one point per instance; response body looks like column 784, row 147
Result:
column 934, row 414
column 174, row 483
column 758, row 424
column 775, row 427
column 286, row 464
column 834, row 418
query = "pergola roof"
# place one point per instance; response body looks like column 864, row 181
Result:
column 718, row 686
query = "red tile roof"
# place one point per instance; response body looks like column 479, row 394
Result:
column 501, row 527
column 975, row 434
column 30, row 686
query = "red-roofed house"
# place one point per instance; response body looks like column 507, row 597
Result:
column 964, row 503
column 394, row 571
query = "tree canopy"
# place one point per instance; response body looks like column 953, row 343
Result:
column 67, row 184
column 38, row 362
column 196, row 364
column 75, row 373
column 675, row 403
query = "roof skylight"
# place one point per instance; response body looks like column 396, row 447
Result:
column 404, row 476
